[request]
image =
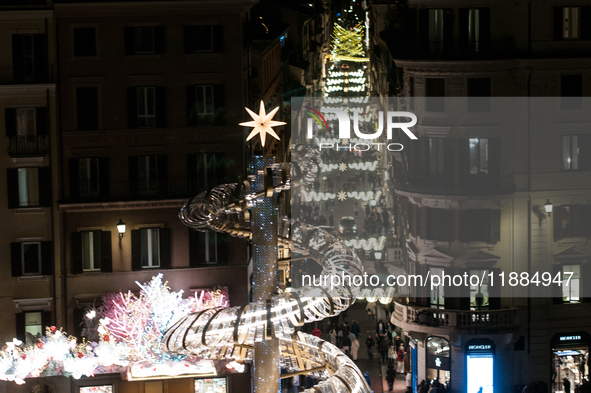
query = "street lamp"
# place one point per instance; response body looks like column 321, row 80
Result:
column 121, row 229
column 548, row 207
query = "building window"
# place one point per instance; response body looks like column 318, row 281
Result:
column 437, row 224
column 91, row 250
column 203, row 39
column 411, row 92
column 571, row 288
column 571, row 91
column 87, row 108
column 29, row 58
column 204, row 104
column 480, row 225
column 206, row 170
column 31, row 258
column 26, row 122
column 33, row 326
column 97, row 389
column 84, row 42
column 435, row 93
column 208, row 248
column 437, row 293
column 571, row 221
column 479, row 294
column 28, row 187
column 478, row 156
column 148, row 175
column 150, row 241
column 436, row 30
column 474, row 30
column 438, row 359
column 213, row 385
column 146, row 107
column 570, row 23
column 88, row 177
column 576, row 152
column 479, row 92
column 436, row 156
column 144, row 40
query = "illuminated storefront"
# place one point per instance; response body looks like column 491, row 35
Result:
column 438, row 360
column 480, row 366
column 211, row 385
column 570, row 360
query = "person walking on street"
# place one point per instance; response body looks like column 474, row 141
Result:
column 383, row 348
column 346, row 345
column 381, row 327
column 392, row 354
column 332, row 334
column 368, row 379
column 355, row 328
column 370, row 343
column 408, row 382
column 354, row 348
column 401, row 358
column 391, row 376
column 316, row 332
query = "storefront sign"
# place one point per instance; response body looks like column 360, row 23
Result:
column 480, row 345
column 570, row 339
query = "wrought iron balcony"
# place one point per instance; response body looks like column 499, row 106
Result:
column 28, row 146
column 424, row 318
column 8, row 76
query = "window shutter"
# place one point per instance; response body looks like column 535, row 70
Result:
column 450, row 227
column 424, row 29
column 558, row 23
column 412, row 218
column 104, row 183
column 160, row 92
column 10, row 121
column 585, row 23
column 163, row 174
column 106, row 252
column 188, row 39
column 133, row 175
column 194, row 248
column 485, row 29
column 464, row 225
column 79, row 314
column 557, row 216
column 448, row 30
column 218, row 39
column 223, row 245
column 15, row 258
column 76, row 256
column 464, row 159
column 218, row 101
column 494, row 160
column 45, row 320
column 448, row 159
column 74, row 179
column 165, row 249
column 585, row 152
column 45, row 196
column 192, row 173
column 47, row 258
column 129, row 41
column 40, row 51
column 159, row 41
column 132, row 107
column 464, row 29
column 495, row 226
column 20, row 326
column 585, row 282
column 12, row 187
column 136, row 250
column 494, row 299
column 556, row 290
column 423, row 291
column 42, row 120
column 464, row 292
column 18, row 58
column 423, row 222
column 191, row 116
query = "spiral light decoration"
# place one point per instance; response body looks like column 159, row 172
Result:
column 220, row 333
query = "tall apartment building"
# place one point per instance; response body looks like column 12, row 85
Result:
column 473, row 196
column 29, row 163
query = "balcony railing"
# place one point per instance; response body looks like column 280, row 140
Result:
column 8, row 77
column 442, row 185
column 459, row 319
column 28, row 146
column 459, row 50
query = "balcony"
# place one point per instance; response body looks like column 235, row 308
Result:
column 9, row 77
column 28, row 146
column 433, row 320
column 442, row 185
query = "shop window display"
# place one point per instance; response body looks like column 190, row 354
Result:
column 570, row 361
column 211, row 385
